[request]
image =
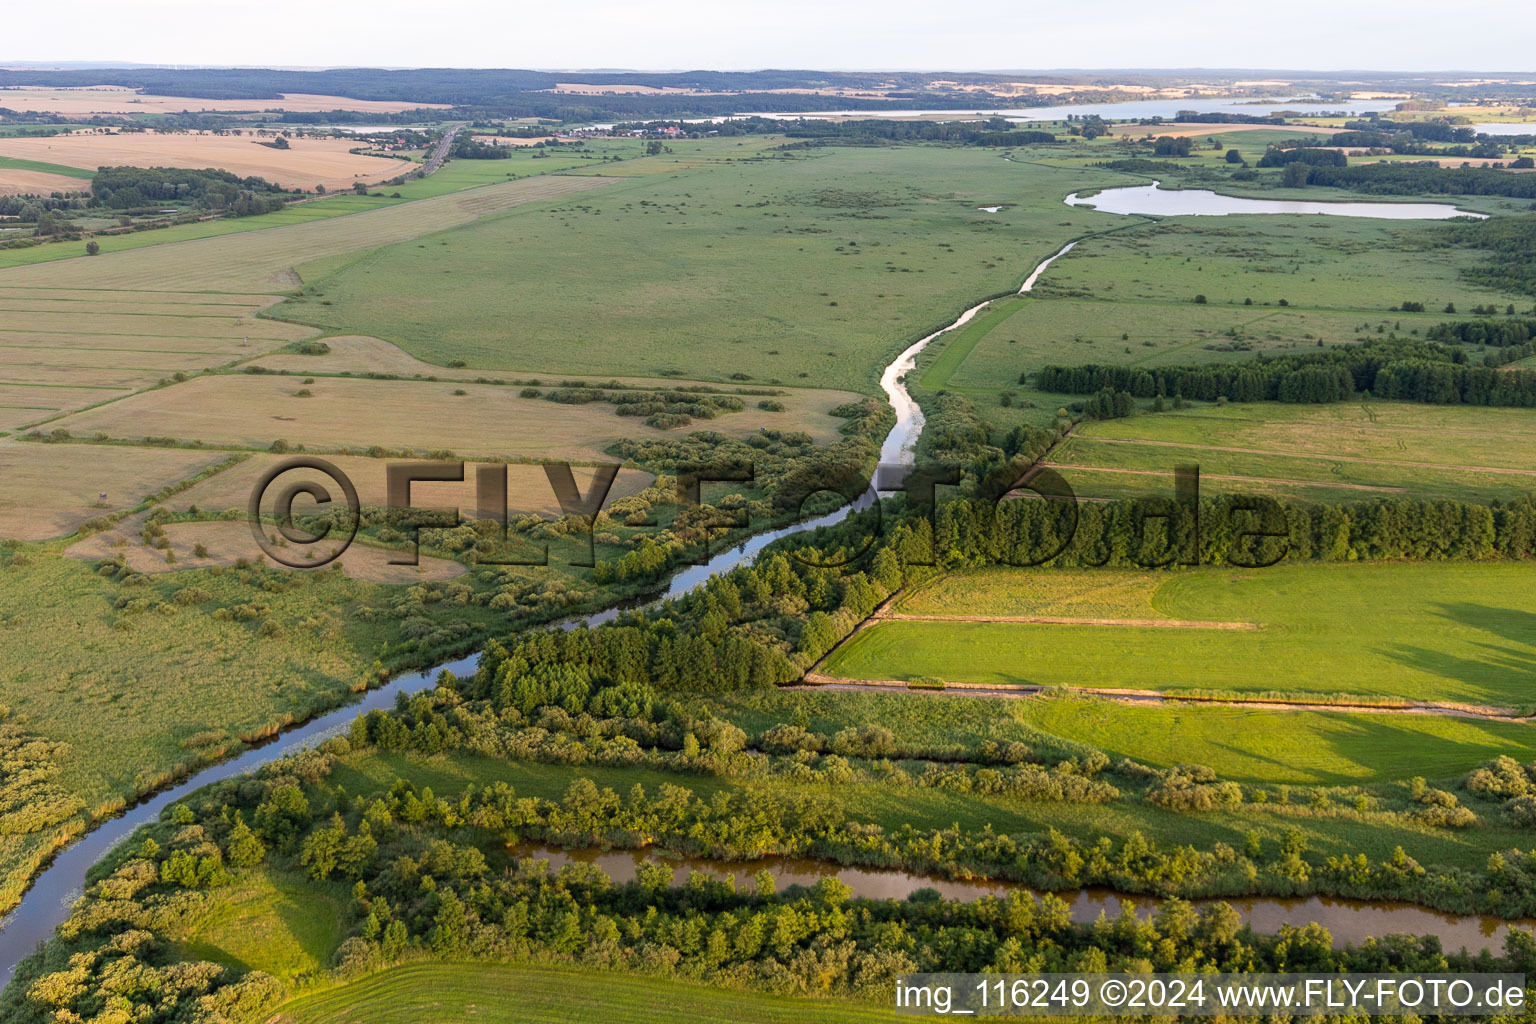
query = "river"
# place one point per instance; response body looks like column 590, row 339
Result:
column 47, row 903
column 1347, row 920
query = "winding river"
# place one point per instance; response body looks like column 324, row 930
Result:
column 47, row 903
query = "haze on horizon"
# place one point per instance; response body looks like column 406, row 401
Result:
column 969, row 35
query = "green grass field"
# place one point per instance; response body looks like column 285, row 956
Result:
column 503, row 994
column 1128, row 296
column 811, row 269
column 18, row 164
column 287, row 927
column 1423, row 631
column 1343, row 452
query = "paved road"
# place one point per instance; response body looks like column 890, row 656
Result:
column 441, row 152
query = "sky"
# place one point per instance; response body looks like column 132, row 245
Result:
column 960, row 35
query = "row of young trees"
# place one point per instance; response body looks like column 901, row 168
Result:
column 1331, row 374
column 1392, row 368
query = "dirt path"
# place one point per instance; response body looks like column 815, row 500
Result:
column 820, row 680
column 1063, row 620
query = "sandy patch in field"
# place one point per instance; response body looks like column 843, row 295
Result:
column 306, row 163
column 15, row 182
column 112, row 99
column 227, row 541
column 528, row 489
column 256, row 410
column 51, row 489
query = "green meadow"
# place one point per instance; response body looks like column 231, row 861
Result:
column 1270, row 284
column 813, row 267
column 1420, row 631
column 1347, row 451
column 504, row 994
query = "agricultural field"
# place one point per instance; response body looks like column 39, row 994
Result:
column 21, row 181
column 463, row 994
column 52, row 491
column 478, row 419
column 306, row 162
column 1341, row 452
column 112, row 99
column 261, row 262
column 1415, row 631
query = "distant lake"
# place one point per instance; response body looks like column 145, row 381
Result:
column 1507, row 128
column 1132, row 110
column 1199, row 202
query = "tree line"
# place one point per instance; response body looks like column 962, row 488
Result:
column 1411, row 179
column 127, row 188
column 1391, row 368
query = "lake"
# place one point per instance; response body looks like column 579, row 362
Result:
column 1199, row 202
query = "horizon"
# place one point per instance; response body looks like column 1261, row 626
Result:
column 112, row 64
column 969, row 36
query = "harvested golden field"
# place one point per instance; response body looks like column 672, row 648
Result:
column 15, row 182
column 147, row 325
column 528, row 488
column 359, row 354
column 113, row 99
column 24, row 402
column 51, row 489
column 226, row 542
column 304, row 164
column 256, row 410
column 260, row 262
column 58, row 354
column 19, row 296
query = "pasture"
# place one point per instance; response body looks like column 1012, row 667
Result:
column 813, row 269
column 1270, row 284
column 1342, row 451
column 1419, row 631
column 504, row 994
column 255, row 410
